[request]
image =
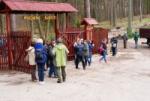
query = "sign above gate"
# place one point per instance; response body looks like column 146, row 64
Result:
column 39, row 17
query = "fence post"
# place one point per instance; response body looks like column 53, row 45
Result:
column 8, row 30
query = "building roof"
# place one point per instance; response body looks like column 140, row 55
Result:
column 89, row 21
column 36, row 6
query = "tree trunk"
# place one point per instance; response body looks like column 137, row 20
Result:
column 113, row 15
column 87, row 8
column 111, row 11
column 129, row 30
column 141, row 9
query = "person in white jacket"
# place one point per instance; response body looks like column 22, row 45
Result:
column 31, row 60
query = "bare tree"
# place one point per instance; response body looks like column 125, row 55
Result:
column 129, row 17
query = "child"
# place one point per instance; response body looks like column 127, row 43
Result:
column 102, row 52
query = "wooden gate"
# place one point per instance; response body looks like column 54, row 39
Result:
column 20, row 41
column 69, row 37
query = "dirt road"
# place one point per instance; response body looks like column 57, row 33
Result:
column 125, row 77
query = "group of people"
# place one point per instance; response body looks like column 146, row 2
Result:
column 52, row 55
column 114, row 42
column 114, row 45
column 83, row 52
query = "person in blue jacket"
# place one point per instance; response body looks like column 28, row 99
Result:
column 40, row 58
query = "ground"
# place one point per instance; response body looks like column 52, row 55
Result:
column 125, row 77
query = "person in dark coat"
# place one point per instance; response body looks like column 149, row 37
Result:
column 51, row 61
column 136, row 37
column 85, row 52
column 79, row 54
column 114, row 42
column 125, row 39
column 75, row 50
column 46, row 47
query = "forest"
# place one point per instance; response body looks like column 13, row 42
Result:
column 101, row 10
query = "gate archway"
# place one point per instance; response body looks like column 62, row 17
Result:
column 13, row 44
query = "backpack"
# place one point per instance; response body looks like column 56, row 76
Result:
column 39, row 56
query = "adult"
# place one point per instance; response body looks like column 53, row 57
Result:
column 31, row 60
column 75, row 49
column 136, row 36
column 125, row 39
column 61, row 51
column 51, row 60
column 79, row 54
column 85, row 52
column 114, row 42
column 40, row 58
column 91, row 46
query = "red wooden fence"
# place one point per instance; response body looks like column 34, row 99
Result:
column 19, row 42
column 98, row 35
column 4, row 65
column 71, row 35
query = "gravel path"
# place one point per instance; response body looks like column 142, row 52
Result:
column 125, row 77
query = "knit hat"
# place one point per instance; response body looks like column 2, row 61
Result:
column 39, row 40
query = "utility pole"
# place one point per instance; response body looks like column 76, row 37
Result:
column 129, row 29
